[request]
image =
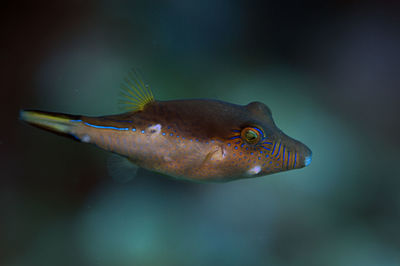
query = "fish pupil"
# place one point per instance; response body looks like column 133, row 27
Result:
column 251, row 136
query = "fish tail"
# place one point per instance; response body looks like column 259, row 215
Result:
column 58, row 123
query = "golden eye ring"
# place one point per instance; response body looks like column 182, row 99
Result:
column 251, row 135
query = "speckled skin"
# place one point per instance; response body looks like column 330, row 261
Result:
column 195, row 139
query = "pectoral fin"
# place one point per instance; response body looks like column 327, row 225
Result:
column 121, row 169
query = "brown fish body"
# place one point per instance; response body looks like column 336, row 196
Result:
column 194, row 139
column 202, row 140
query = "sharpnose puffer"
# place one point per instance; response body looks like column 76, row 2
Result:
column 201, row 140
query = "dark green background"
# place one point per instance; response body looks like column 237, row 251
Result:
column 329, row 71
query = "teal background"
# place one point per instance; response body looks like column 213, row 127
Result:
column 329, row 71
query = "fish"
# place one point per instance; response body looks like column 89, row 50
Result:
column 202, row 140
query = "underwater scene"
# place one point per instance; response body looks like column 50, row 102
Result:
column 200, row 133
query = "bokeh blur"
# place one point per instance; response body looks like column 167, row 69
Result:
column 328, row 70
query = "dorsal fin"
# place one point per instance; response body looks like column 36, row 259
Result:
column 135, row 93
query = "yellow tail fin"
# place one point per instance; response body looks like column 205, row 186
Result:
column 58, row 123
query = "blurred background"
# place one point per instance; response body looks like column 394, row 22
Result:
column 329, row 71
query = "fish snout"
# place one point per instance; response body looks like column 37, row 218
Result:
column 295, row 154
column 289, row 154
column 305, row 155
column 307, row 159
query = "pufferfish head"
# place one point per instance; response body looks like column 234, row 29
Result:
column 259, row 140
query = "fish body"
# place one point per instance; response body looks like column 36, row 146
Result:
column 202, row 140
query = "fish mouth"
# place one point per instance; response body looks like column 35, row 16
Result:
column 307, row 155
column 307, row 159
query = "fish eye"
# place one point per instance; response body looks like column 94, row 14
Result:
column 251, row 135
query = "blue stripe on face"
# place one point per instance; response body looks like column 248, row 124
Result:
column 273, row 149
column 288, row 159
column 261, row 133
column 283, row 157
column 236, row 137
column 106, row 127
column 295, row 159
column 279, row 150
column 265, row 148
